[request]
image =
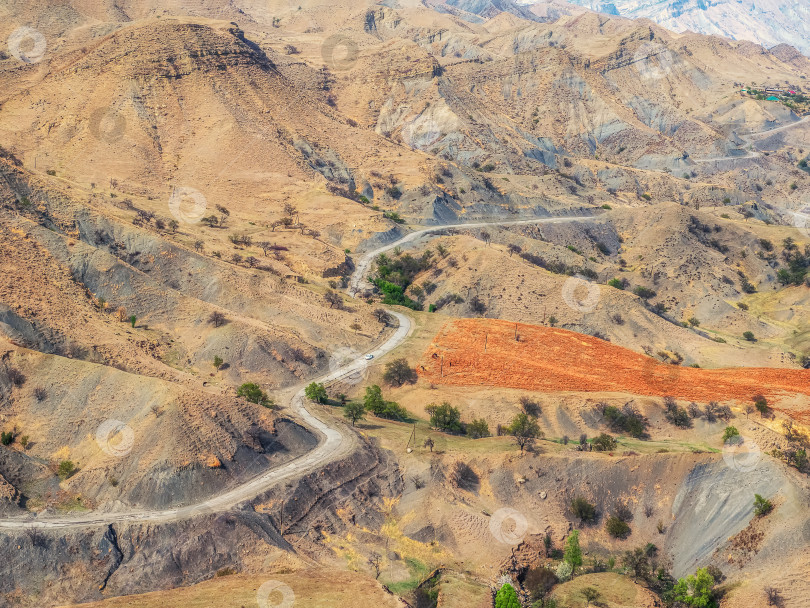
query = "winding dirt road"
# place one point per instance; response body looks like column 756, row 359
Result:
column 748, row 139
column 333, row 443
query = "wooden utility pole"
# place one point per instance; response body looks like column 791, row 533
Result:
column 515, row 332
column 412, row 437
column 442, row 367
column 486, row 339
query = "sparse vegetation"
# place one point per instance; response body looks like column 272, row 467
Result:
column 254, row 394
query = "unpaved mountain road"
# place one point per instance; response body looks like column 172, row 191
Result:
column 358, row 280
column 748, row 139
column 333, row 443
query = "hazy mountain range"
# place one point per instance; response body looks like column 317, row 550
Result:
column 769, row 22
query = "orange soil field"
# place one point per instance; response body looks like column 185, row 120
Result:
column 551, row 360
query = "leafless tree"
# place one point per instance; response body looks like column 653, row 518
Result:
column 333, row 299
column 382, row 315
column 265, row 246
column 223, row 213
column 217, row 318
column 512, row 248
column 774, row 597
column 486, row 236
column 198, row 245
column 251, row 261
column 375, row 561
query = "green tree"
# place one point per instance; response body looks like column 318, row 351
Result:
column 762, row 506
column 730, row 432
column 478, row 428
column 254, row 393
column 398, row 372
column 749, row 335
column 444, row 417
column 316, row 392
column 218, row 362
column 132, row 320
column 573, row 552
column 524, row 429
column 373, row 401
column 507, row 597
column 695, row 591
column 354, row 411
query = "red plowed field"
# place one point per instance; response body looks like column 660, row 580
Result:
column 551, row 360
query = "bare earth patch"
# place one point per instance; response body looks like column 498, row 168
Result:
column 484, row 352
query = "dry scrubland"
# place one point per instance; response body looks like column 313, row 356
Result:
column 327, row 130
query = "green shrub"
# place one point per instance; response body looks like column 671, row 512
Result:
column 644, row 292
column 604, row 443
column 254, row 394
column 762, row 506
column 617, row 528
column 6, row 438
column 444, row 417
column 695, row 591
column 478, row 429
column 507, row 597
column 581, row 508
column 66, row 469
